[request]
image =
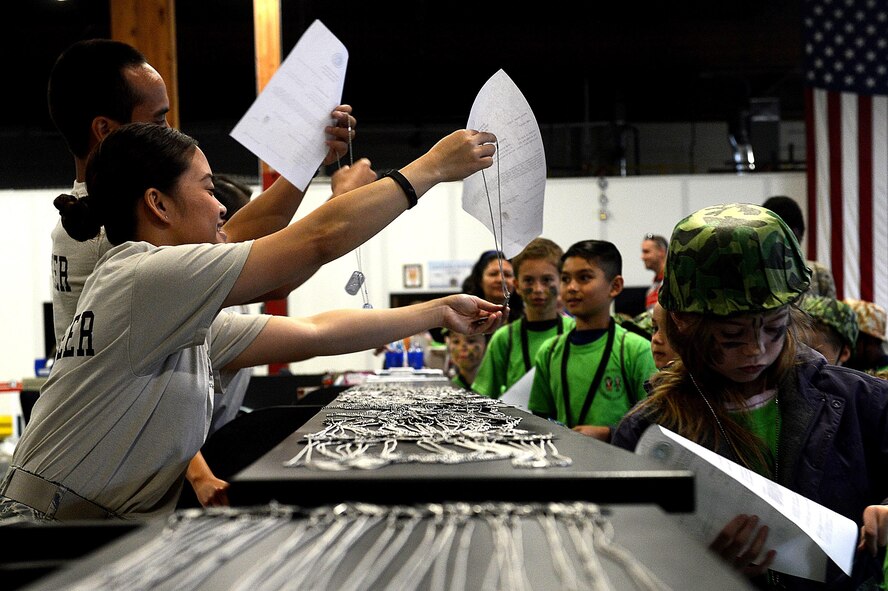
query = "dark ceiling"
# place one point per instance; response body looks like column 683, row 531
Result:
column 420, row 63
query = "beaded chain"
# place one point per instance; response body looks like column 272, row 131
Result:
column 362, row 546
column 364, row 425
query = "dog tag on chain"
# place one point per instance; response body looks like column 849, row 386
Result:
column 354, row 283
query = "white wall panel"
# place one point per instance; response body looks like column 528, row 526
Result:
column 437, row 229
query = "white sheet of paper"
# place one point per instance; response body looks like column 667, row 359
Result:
column 803, row 532
column 519, row 394
column 515, row 185
column 284, row 126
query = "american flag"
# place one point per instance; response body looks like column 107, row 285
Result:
column 846, row 111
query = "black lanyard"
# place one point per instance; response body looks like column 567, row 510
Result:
column 596, row 381
column 525, row 349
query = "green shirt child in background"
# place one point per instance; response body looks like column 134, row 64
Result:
column 464, row 352
column 512, row 349
column 591, row 376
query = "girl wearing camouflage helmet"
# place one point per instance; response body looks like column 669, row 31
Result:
column 745, row 387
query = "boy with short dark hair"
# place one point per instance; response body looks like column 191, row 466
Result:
column 591, row 376
column 512, row 348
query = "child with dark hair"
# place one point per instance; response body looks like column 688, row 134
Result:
column 591, row 376
column 822, row 281
column 512, row 349
column 464, row 354
column 664, row 354
column 231, row 193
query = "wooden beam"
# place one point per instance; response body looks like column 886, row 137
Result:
column 267, row 35
column 150, row 27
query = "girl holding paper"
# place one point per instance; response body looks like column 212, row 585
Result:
column 747, row 388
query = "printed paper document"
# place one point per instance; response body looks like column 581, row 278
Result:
column 508, row 197
column 284, row 127
column 803, row 532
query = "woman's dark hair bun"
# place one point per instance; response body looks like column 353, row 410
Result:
column 78, row 219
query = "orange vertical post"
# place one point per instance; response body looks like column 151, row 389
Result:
column 150, row 27
column 267, row 34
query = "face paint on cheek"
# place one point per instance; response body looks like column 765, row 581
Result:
column 717, row 352
column 526, row 291
column 553, row 290
column 780, row 334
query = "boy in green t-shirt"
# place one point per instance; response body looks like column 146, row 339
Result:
column 591, row 376
column 512, row 348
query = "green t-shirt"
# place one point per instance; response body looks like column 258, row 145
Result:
column 762, row 418
column 503, row 362
column 630, row 364
column 459, row 381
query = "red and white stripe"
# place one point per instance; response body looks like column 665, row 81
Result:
column 847, row 173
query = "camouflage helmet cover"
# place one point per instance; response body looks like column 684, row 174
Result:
column 833, row 313
column 871, row 317
column 641, row 324
column 731, row 258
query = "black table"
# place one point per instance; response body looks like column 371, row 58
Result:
column 649, row 534
column 600, row 473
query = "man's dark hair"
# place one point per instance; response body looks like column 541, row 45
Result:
column 231, row 193
column 601, row 252
column 88, row 81
column 658, row 240
column 789, row 211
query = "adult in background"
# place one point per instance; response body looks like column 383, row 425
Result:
column 231, row 193
column 653, row 255
column 234, row 195
column 493, row 279
column 232, row 387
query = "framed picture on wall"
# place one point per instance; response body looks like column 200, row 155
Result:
column 412, row 275
column 448, row 274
